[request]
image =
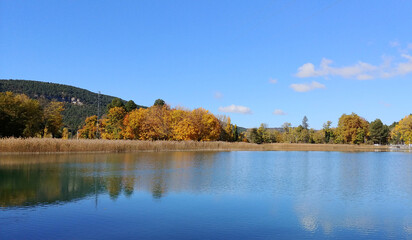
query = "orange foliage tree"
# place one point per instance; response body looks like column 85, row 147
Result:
column 156, row 123
column 198, row 125
column 133, row 123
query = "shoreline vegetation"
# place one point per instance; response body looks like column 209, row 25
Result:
column 23, row 117
column 54, row 145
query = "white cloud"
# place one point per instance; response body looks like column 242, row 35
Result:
column 279, row 112
column 218, row 95
column 306, row 87
column 306, row 70
column 359, row 71
column 235, row 109
column 273, row 80
column 405, row 67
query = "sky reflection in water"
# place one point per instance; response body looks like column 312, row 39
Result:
column 219, row 195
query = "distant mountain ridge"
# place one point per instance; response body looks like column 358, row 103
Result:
column 78, row 103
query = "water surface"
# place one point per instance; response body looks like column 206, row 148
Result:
column 207, row 195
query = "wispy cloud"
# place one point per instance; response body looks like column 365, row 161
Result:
column 235, row 109
column 385, row 104
column 273, row 81
column 279, row 112
column 306, row 87
column 394, row 43
column 218, row 95
column 359, row 71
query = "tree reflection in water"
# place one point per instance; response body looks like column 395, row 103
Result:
column 326, row 192
column 28, row 180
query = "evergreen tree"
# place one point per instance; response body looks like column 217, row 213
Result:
column 378, row 132
column 116, row 102
column 130, row 106
column 159, row 102
column 305, row 124
column 253, row 136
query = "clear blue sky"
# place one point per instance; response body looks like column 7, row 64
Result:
column 255, row 61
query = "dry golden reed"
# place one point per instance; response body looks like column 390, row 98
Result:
column 42, row 145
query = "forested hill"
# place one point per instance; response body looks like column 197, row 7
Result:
column 78, row 103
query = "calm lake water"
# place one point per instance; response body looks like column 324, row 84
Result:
column 207, row 195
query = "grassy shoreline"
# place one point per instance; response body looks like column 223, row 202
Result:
column 49, row 145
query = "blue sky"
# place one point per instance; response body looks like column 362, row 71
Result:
column 255, row 61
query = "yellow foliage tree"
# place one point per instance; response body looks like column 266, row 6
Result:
column 156, row 123
column 198, row 125
column 176, row 117
column 20, row 116
column 65, row 133
column 352, row 129
column 133, row 123
column 53, row 118
column 89, row 130
column 229, row 133
column 404, row 129
column 113, row 125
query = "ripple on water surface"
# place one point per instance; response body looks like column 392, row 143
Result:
column 207, row 195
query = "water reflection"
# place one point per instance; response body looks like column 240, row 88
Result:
column 43, row 179
column 321, row 193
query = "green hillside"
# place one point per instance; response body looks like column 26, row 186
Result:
column 78, row 103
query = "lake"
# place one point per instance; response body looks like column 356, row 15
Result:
column 207, row 195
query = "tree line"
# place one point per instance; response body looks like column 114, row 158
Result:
column 351, row 129
column 159, row 122
column 21, row 116
column 78, row 103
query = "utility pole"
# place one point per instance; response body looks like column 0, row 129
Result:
column 98, row 115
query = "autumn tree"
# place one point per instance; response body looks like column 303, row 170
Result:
column 186, row 129
column 176, row 116
column 404, row 129
column 65, row 133
column 113, row 124
column 394, row 138
column 288, row 133
column 156, row 123
column 352, row 129
column 210, row 126
column 133, row 123
column 89, row 130
column 53, row 119
column 268, row 135
column 319, row 136
column 227, row 132
column 301, row 134
column 198, row 125
column 378, row 132
column 20, row 116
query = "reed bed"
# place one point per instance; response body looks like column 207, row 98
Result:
column 45, row 145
